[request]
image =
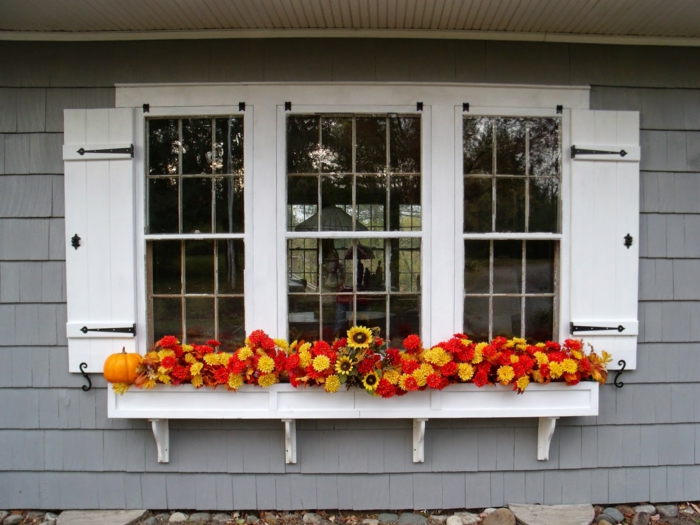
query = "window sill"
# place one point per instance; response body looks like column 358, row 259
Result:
column 283, row 402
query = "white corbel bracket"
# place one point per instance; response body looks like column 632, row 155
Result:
column 290, row 440
column 419, row 440
column 545, row 431
column 161, row 431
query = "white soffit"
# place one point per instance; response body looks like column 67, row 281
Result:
column 644, row 22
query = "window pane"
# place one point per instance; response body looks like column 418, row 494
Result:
column 231, row 265
column 335, row 154
column 506, row 316
column 302, row 143
column 229, row 204
column 544, row 205
column 405, row 265
column 163, row 205
column 196, row 205
column 163, row 147
column 304, row 318
column 478, row 145
column 510, row 205
column 165, row 267
column 199, row 319
column 371, row 312
column 545, row 147
column 374, row 252
column 404, row 318
column 510, row 146
column 476, row 318
column 336, row 203
column 371, row 202
column 302, row 197
column 370, row 154
column 197, row 140
column 507, row 266
column 167, row 317
column 228, row 145
column 539, row 318
column 302, row 265
column 540, row 267
column 231, row 323
column 405, row 144
column 405, row 203
column 199, row 267
column 476, row 266
column 478, row 204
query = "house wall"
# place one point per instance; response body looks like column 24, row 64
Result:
column 59, row 450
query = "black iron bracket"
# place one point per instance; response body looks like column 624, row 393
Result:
column 578, row 151
column 288, row 106
column 146, row 108
column 241, row 106
column 75, row 241
column 560, row 109
column 88, row 387
column 575, row 328
column 119, row 330
column 623, row 364
column 628, row 241
column 126, row 151
column 419, row 106
column 465, row 107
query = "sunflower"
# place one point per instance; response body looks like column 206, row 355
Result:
column 370, row 381
column 344, row 365
column 359, row 337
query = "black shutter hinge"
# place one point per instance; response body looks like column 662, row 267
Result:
column 623, row 364
column 419, row 106
column 241, row 106
column 465, row 107
column 628, row 241
column 560, row 109
column 119, row 330
column 146, row 108
column 75, row 241
column 578, row 151
column 288, row 106
column 575, row 328
column 126, row 151
column 88, row 387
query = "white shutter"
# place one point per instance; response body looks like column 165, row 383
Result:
column 99, row 188
column 605, row 210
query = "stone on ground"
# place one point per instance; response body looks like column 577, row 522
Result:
column 313, row 518
column 627, row 511
column 200, row 517
column 387, row 517
column 667, row 511
column 3, row 514
column 252, row 518
column 370, row 521
column 641, row 519
column 50, row 516
column 103, row 517
column 177, row 517
column 438, row 517
column 553, row 514
column 35, row 514
column 151, row 521
column 605, row 519
column 649, row 509
column 13, row 519
column 409, row 518
column 221, row 517
column 454, row 520
column 615, row 514
column 163, row 516
column 499, row 517
column 468, row 518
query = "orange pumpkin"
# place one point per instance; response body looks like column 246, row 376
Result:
column 121, row 368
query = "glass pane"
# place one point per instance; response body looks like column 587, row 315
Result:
column 507, row 266
column 539, row 318
column 163, row 147
column 478, row 145
column 196, row 205
column 199, row 266
column 231, row 264
column 228, row 144
column 510, row 205
column 405, row 206
column 476, row 318
column 167, row 318
column 162, row 205
column 336, row 203
column 478, row 203
column 304, row 318
column 405, row 144
column 335, row 154
column 371, row 202
column 167, row 277
column 539, row 272
column 229, row 204
column 405, row 265
column 199, row 319
column 371, row 312
column 544, row 205
column 302, row 197
column 302, row 264
column 372, row 253
column 302, row 144
column 197, row 146
column 510, row 146
column 370, row 148
column 404, row 318
column 545, row 150
column 337, row 271
column 231, row 323
column 506, row 317
column 476, row 266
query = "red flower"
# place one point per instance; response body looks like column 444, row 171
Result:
column 203, row 349
column 378, row 341
column 235, row 366
column 221, row 375
column 412, row 343
column 434, row 381
column 292, row 362
column 556, row 356
column 167, row 342
column 368, row 363
column 280, row 360
column 411, row 383
column 574, row 344
column 481, row 378
column 394, row 356
column 449, row 369
column 257, row 337
column 213, row 342
column 386, row 389
column 339, row 343
column 181, row 372
column 408, row 366
column 293, row 380
column 268, row 344
column 551, row 345
column 178, row 350
column 504, row 358
column 466, row 354
column 168, row 361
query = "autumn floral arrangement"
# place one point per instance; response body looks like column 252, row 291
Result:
column 363, row 360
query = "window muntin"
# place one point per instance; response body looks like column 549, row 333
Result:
column 194, row 186
column 512, row 180
column 349, row 175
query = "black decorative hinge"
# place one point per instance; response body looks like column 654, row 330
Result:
column 578, row 151
column 560, row 109
column 126, row 151
column 241, row 106
column 120, row 330
column 623, row 364
column 465, row 107
column 75, row 241
column 146, row 108
column 628, row 241
column 88, row 387
column 576, row 328
column 419, row 106
column 288, row 106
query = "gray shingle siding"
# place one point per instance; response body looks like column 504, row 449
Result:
column 58, row 448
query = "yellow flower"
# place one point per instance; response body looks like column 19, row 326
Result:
column 519, row 340
column 332, row 384
column 321, row 363
column 165, row 353
column 196, row 368
column 187, row 348
column 211, row 359
column 149, row 383
column 420, row 377
column 153, row 356
column 305, row 347
column 281, row 343
column 266, row 380
column 305, row 358
column 540, row 345
column 164, row 378
column 266, row 364
column 510, row 343
column 402, row 381
column 359, row 337
column 235, row 381
column 465, row 371
column 244, row 353
column 437, row 356
column 190, row 358
column 555, row 370
column 426, row 369
column 344, row 365
column 542, row 358
column 478, row 353
column 120, row 388
column 522, row 383
column 370, row 381
column 521, row 347
column 197, row 381
column 224, row 358
column 505, row 374
column 162, row 370
column 466, row 342
column 569, row 365
column 514, row 359
column 392, row 376
column 578, row 355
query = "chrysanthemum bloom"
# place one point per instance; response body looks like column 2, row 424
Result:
column 284, row 345
column 542, row 358
column 244, row 353
column 359, row 337
column 211, row 359
column 407, row 382
column 385, row 389
column 332, row 384
column 344, row 365
column 522, row 383
column 235, row 381
column 569, row 366
column 434, row 381
column 196, row 368
column 420, row 377
column 266, row 364
column 465, row 371
column 305, row 358
column 370, row 381
column 479, row 353
column 190, row 358
column 213, row 342
column 412, row 343
column 168, row 361
column 187, row 348
column 197, row 381
column 168, row 341
column 165, row 353
column 505, row 374
column 578, row 355
column 321, row 363
column 555, row 370
column 391, row 376
column 224, row 358
column 266, row 380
